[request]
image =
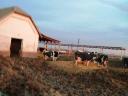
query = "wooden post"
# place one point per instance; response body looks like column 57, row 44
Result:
column 46, row 45
column 51, row 45
column 68, row 50
column 124, row 52
column 102, row 50
column 83, row 49
column 71, row 48
column 121, row 55
column 54, row 46
column 59, row 47
column 78, row 43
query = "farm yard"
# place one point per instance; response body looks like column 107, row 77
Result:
column 72, row 48
column 36, row 77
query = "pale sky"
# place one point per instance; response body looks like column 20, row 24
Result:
column 94, row 22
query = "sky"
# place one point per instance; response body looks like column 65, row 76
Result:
column 94, row 22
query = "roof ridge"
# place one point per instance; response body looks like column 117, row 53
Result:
column 14, row 9
column 4, row 12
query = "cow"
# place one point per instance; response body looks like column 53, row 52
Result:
column 47, row 54
column 51, row 55
column 102, row 59
column 54, row 55
column 83, row 57
column 125, row 62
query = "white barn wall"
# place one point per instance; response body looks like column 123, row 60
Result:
column 5, row 45
column 20, row 27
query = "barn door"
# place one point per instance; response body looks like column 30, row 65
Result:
column 15, row 49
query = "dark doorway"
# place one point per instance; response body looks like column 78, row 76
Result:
column 15, row 49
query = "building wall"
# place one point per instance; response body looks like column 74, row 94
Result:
column 20, row 27
column 4, row 45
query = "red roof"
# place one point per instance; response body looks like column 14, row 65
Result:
column 48, row 39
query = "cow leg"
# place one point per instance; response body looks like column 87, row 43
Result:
column 88, row 63
column 76, row 62
column 98, row 64
column 105, row 64
column 84, row 62
column 46, row 57
column 55, row 58
column 94, row 62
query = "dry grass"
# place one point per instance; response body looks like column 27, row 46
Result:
column 34, row 77
column 70, row 66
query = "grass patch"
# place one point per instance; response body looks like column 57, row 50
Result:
column 66, row 58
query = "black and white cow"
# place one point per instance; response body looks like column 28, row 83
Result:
column 51, row 55
column 54, row 55
column 125, row 62
column 84, row 57
column 102, row 59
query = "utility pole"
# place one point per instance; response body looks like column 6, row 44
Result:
column 78, row 43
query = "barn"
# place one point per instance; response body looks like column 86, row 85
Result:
column 19, row 36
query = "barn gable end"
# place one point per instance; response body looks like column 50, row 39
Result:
column 16, row 25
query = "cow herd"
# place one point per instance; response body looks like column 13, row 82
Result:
column 87, row 57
